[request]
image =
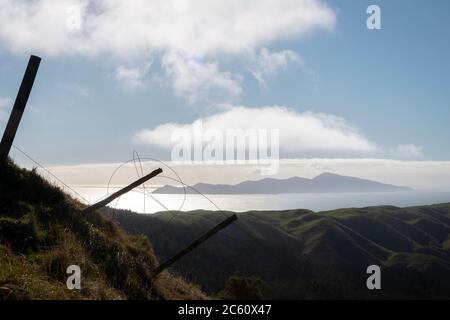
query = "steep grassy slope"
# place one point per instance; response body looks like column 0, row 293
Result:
column 42, row 232
column 303, row 254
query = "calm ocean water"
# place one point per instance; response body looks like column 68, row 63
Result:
column 315, row 201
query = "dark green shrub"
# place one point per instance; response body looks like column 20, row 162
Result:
column 20, row 235
column 242, row 288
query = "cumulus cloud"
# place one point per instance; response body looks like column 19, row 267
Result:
column 39, row 26
column 298, row 132
column 132, row 77
column 172, row 30
column 408, row 151
column 129, row 27
column 193, row 78
column 269, row 63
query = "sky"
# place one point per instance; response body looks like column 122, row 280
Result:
column 126, row 74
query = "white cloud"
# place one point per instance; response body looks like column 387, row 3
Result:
column 174, row 30
column 128, row 28
column 193, row 78
column 299, row 132
column 5, row 104
column 132, row 77
column 408, row 151
column 34, row 25
column 268, row 63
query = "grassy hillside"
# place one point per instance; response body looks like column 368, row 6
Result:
column 42, row 232
column 304, row 254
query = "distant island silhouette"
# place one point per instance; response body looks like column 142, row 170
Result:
column 323, row 183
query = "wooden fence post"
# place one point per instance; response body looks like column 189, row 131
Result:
column 194, row 244
column 117, row 194
column 19, row 107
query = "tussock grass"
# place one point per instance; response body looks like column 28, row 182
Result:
column 42, row 232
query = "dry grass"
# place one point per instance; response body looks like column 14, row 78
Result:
column 172, row 287
column 114, row 265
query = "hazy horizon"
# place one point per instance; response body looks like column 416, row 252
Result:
column 91, row 182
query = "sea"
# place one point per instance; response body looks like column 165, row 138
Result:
column 143, row 201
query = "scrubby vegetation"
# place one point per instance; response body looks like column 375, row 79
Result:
column 239, row 287
column 301, row 254
column 42, row 232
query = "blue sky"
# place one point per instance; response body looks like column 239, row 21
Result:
column 390, row 85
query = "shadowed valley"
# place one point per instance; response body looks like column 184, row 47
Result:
column 301, row 254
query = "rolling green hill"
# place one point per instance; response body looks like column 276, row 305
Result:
column 42, row 232
column 301, row 254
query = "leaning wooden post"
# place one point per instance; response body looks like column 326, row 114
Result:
column 19, row 107
column 117, row 194
column 194, row 244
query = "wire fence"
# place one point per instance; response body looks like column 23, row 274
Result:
column 144, row 191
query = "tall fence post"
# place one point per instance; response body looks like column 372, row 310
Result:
column 19, row 107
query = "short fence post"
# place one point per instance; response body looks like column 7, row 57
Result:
column 117, row 194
